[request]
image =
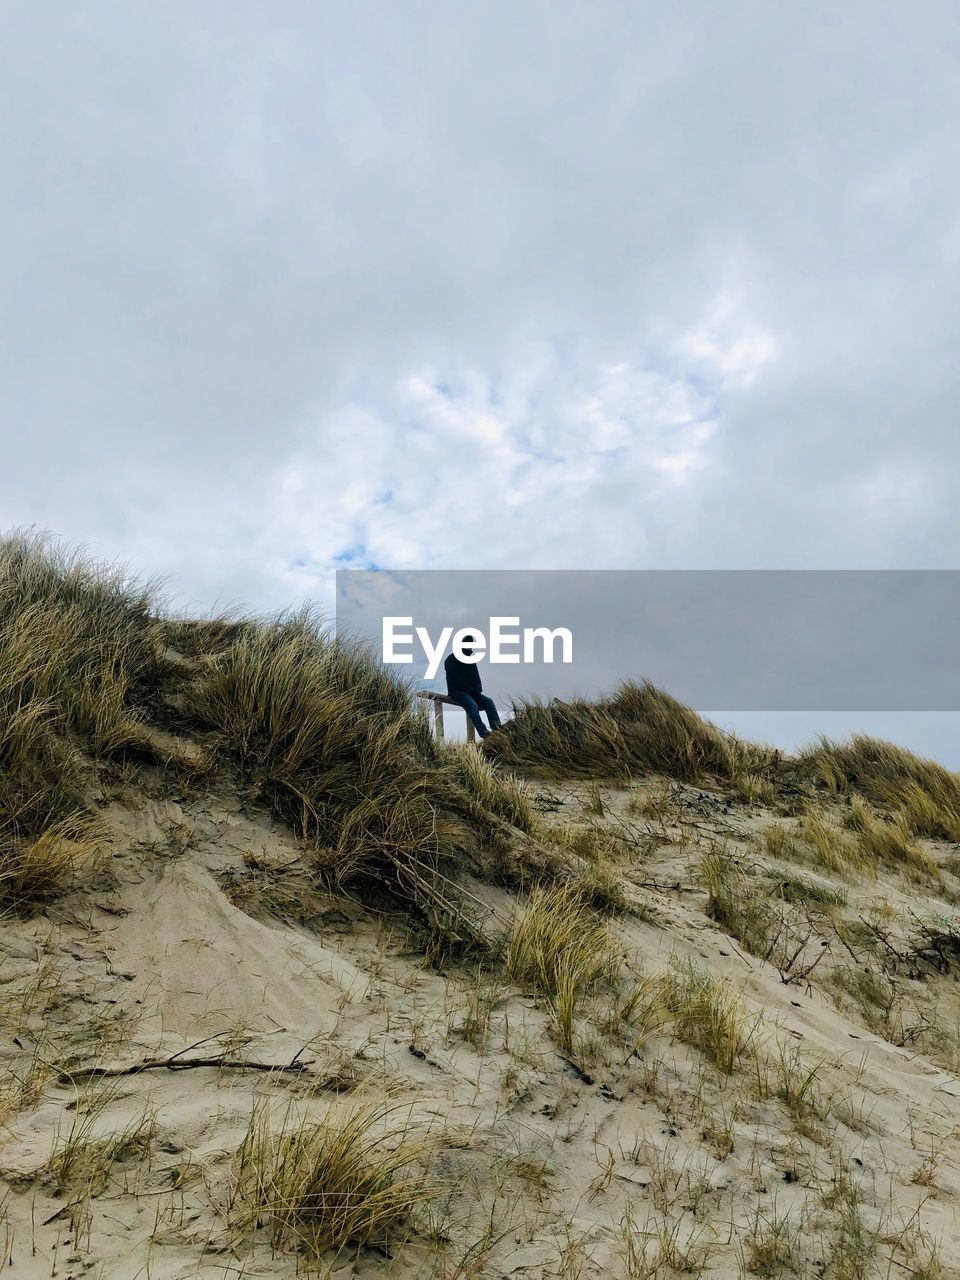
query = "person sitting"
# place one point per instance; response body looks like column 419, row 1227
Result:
column 464, row 686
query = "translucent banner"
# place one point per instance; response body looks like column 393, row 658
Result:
column 721, row 640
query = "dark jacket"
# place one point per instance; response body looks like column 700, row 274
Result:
column 462, row 677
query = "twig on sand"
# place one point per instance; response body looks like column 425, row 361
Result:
column 177, row 1063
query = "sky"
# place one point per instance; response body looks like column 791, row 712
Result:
column 289, row 287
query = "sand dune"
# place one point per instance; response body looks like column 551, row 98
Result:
column 628, row 1155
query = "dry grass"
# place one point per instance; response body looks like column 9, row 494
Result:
column 591, row 844
column 588, row 863
column 777, row 920
column 930, row 816
column 659, row 804
column 832, row 847
column 659, row 1248
column 82, row 1161
column 640, row 1010
column 891, row 776
column 79, row 659
column 640, row 729
column 330, row 739
column 708, row 1013
column 771, row 1248
column 564, row 949
column 500, row 793
column 778, row 842
column 816, row 895
column 754, row 787
column 853, row 1249
column 32, row 870
column 474, row 1021
column 318, row 728
column 353, row 1179
column 739, row 903
column 799, row 1085
column 889, row 840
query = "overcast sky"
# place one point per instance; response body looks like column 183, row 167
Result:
column 296, row 286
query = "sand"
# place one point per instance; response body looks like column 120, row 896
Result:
column 539, row 1159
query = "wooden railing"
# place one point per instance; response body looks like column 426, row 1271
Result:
column 438, row 700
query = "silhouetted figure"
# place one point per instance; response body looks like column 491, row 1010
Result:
column 465, row 687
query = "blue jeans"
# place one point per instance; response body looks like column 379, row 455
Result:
column 473, row 704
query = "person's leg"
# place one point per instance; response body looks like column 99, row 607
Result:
column 473, row 711
column 489, row 706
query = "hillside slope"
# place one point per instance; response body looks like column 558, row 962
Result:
column 198, row 940
column 288, row 988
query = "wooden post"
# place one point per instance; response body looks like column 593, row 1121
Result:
column 438, row 699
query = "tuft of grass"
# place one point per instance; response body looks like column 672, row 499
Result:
column 640, row 1010
column 475, row 1020
column 891, row 776
column 798, row 1085
column 658, row 1248
column 658, row 804
column 778, row 842
column 593, row 802
column 854, row 1247
column 640, row 729
column 708, row 1013
column 563, row 948
column 749, row 907
column 82, row 1161
column 806, row 892
column 889, row 840
column 500, row 793
column 833, row 848
column 80, row 658
column 879, row 999
column 35, row 869
column 771, row 1248
column 739, row 903
column 930, row 816
column 921, row 1252
column 563, row 738
column 353, row 1179
column 754, row 788
column 594, row 846
column 601, row 887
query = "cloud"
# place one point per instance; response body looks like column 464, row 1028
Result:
column 615, row 284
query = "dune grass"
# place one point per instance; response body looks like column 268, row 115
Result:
column 889, row 840
column 498, row 792
column 803, row 891
column 640, row 729
column 741, row 904
column 90, row 669
column 80, row 655
column 834, row 848
column 890, row 776
column 353, row 1179
column 330, row 740
column 34, row 869
column 778, row 842
column 563, row 949
column 708, row 1013
column 775, row 920
column 323, row 734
